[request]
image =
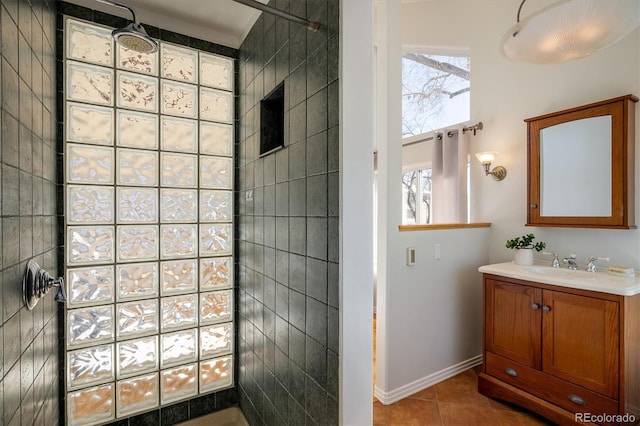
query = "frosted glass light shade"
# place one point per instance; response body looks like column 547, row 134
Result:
column 486, row 157
column 570, row 29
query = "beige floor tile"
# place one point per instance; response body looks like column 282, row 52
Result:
column 413, row 412
column 454, row 414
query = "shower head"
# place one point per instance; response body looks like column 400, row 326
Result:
column 133, row 36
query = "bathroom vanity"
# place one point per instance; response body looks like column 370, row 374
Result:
column 560, row 342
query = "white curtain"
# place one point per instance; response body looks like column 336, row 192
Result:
column 449, row 176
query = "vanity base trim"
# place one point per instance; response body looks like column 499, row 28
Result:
column 494, row 388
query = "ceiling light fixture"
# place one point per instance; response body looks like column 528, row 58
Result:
column 133, row 36
column 569, row 29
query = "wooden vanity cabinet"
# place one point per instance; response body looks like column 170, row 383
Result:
column 559, row 351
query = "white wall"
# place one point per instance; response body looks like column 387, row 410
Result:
column 429, row 315
column 356, row 221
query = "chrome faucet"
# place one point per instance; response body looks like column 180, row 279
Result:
column 571, row 262
column 555, row 263
column 591, row 267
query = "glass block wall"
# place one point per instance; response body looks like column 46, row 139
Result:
column 149, row 225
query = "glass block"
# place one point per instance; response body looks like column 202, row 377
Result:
column 179, row 276
column 137, row 167
column 216, row 105
column 179, row 312
column 216, row 307
column 178, row 205
column 89, row 326
column 179, row 99
column 179, row 63
column 136, row 91
column 216, row 71
column 89, row 204
column 216, row 273
column 137, row 394
column 137, row 243
column 91, row 406
column 137, row 319
column 137, row 129
column 179, row 348
column 89, row 244
column 137, row 205
column 179, row 241
column 216, row 340
column 178, row 170
column 216, row 374
column 137, row 281
column 89, row 83
column 216, row 172
column 178, row 383
column 137, row 356
column 90, row 366
column 89, row 43
column 141, row 62
column 179, row 134
column 216, row 206
column 216, row 139
column 89, row 164
column 216, row 240
column 89, row 124
column 90, row 286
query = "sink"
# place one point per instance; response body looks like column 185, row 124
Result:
column 541, row 273
column 568, row 274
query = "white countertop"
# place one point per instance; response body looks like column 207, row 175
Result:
column 562, row 277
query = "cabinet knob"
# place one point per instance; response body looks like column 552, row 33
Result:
column 546, row 308
column 535, row 306
column 511, row 372
column 576, row 399
column 533, row 206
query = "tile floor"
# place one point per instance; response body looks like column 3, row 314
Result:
column 455, row 401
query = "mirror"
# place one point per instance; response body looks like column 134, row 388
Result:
column 581, row 166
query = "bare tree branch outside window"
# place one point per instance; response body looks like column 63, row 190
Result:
column 435, row 94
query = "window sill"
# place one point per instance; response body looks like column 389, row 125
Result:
column 436, row 226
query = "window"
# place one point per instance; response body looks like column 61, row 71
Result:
column 435, row 92
column 435, row 100
column 416, row 208
column 149, row 225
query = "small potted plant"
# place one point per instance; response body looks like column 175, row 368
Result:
column 524, row 247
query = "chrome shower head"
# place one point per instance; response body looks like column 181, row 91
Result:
column 133, row 36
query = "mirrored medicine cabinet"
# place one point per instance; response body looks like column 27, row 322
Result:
column 581, row 166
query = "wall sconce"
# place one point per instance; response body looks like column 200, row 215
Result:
column 486, row 158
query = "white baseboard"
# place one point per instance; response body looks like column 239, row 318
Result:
column 409, row 389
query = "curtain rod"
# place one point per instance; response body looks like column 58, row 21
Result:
column 311, row 25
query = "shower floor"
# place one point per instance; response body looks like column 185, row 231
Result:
column 228, row 417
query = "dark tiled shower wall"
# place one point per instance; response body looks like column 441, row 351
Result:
column 198, row 406
column 28, row 229
column 288, row 322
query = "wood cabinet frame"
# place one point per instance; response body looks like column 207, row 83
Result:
column 622, row 112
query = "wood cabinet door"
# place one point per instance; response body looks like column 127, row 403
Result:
column 581, row 340
column 512, row 321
